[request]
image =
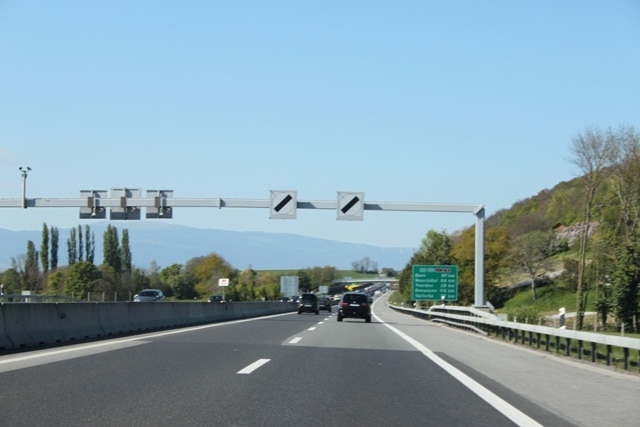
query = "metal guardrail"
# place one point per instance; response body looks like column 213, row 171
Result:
column 573, row 343
column 19, row 298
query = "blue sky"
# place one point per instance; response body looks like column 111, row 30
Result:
column 406, row 101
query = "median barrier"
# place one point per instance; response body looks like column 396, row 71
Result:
column 33, row 324
column 114, row 318
column 77, row 322
column 4, row 341
column 28, row 324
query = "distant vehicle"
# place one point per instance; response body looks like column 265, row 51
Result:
column 324, row 303
column 149, row 295
column 308, row 303
column 294, row 299
column 355, row 304
column 284, row 299
column 216, row 298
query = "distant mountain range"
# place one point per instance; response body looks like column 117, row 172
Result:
column 168, row 244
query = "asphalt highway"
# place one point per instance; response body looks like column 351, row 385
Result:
column 311, row 370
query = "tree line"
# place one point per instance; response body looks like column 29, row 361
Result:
column 39, row 271
column 116, row 278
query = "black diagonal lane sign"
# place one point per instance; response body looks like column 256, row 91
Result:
column 283, row 204
column 350, row 205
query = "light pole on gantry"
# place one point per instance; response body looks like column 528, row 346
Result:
column 25, row 172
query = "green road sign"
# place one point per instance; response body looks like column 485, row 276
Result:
column 435, row 283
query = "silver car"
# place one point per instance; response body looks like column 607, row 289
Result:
column 149, row 295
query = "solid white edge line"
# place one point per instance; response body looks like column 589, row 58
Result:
column 508, row 410
column 255, row 365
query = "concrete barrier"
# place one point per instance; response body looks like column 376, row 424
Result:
column 4, row 341
column 115, row 320
column 34, row 324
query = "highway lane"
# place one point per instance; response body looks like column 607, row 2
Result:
column 280, row 370
column 578, row 392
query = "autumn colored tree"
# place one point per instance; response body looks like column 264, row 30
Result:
column 208, row 270
column 495, row 249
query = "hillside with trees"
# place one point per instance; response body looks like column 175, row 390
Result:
column 582, row 236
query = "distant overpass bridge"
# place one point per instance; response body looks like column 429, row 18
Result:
column 344, row 285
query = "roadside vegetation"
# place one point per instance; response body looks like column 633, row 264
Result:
column 575, row 246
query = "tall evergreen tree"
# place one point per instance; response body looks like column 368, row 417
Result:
column 44, row 248
column 72, row 247
column 112, row 249
column 80, row 244
column 31, row 271
column 625, row 287
column 125, row 251
column 54, row 248
column 90, row 243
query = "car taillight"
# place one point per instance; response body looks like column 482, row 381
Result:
column 343, row 304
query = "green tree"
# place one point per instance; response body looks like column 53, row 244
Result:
column 112, row 254
column 621, row 225
column 80, row 249
column 90, row 243
column 80, row 279
column 55, row 235
column 72, row 247
column 125, row 250
column 168, row 277
column 304, row 281
column 184, row 286
column 625, row 283
column 44, row 249
column 436, row 248
column 12, row 281
column 55, row 283
column 31, row 277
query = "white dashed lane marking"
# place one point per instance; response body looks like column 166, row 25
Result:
column 255, row 365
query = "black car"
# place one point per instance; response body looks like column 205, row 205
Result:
column 216, row 298
column 308, row 303
column 325, row 303
column 355, row 304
